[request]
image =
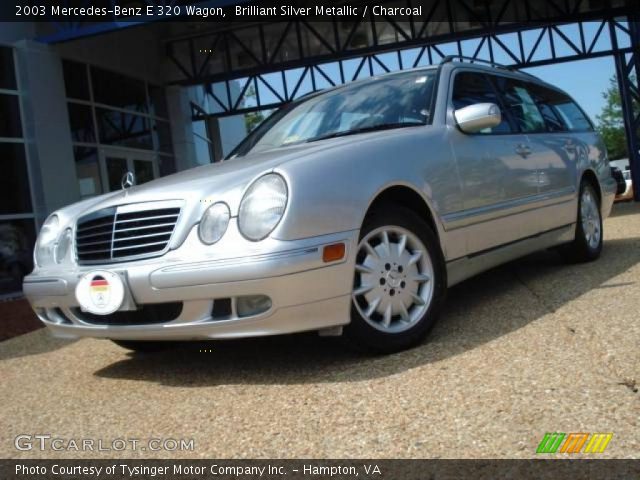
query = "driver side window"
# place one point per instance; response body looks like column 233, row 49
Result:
column 473, row 87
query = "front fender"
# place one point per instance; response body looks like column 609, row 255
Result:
column 331, row 191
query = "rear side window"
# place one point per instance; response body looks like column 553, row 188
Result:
column 470, row 88
column 547, row 99
column 520, row 104
column 572, row 116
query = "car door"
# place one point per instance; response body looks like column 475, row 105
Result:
column 557, row 153
column 497, row 175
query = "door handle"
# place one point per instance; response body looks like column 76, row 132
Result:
column 523, row 150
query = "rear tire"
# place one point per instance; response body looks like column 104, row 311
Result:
column 144, row 347
column 587, row 244
column 399, row 281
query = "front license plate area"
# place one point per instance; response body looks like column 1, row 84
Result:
column 103, row 292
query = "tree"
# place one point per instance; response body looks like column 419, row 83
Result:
column 611, row 121
column 252, row 119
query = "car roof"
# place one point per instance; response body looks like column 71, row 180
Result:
column 448, row 65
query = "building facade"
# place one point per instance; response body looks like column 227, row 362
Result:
column 76, row 116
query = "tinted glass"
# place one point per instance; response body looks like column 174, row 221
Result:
column 519, row 103
column 143, row 170
column 572, row 116
column 16, row 247
column 81, row 121
column 395, row 101
column 470, row 88
column 124, row 129
column 14, row 180
column 7, row 70
column 166, row 165
column 76, row 81
column 547, row 99
column 10, row 125
column 116, row 168
column 88, row 171
column 163, row 131
column 118, row 90
column 158, row 101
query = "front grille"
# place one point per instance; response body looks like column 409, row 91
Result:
column 109, row 235
column 148, row 314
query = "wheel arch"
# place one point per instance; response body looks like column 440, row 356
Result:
column 409, row 197
column 591, row 177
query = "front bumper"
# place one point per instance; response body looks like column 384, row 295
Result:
column 305, row 293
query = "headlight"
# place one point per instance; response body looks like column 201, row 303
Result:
column 63, row 246
column 214, row 223
column 46, row 243
column 262, row 206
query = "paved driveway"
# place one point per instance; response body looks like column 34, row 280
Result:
column 531, row 347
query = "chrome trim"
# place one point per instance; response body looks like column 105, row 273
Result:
column 113, row 247
column 465, row 218
column 45, row 286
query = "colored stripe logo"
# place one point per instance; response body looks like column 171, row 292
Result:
column 99, row 284
column 574, row 442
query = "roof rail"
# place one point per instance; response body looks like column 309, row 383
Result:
column 451, row 58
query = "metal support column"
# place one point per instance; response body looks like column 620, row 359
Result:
column 628, row 72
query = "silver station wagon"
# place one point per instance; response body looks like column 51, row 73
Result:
column 348, row 212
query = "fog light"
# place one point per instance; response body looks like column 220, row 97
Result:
column 252, row 305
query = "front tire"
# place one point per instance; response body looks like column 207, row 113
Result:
column 587, row 244
column 399, row 281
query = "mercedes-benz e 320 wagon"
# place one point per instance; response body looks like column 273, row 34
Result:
column 349, row 212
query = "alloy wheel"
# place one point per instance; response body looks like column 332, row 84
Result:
column 590, row 218
column 393, row 285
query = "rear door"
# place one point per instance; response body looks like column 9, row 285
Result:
column 497, row 174
column 550, row 149
column 555, row 149
column 558, row 151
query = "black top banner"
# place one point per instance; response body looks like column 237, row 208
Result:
column 222, row 11
column 318, row 469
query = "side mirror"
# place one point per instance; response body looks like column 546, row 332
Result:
column 476, row 117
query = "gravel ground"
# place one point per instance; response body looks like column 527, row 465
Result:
column 531, row 347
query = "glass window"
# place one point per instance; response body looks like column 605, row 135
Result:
column 118, row 90
column 551, row 119
column 7, row 70
column 520, row 105
column 470, row 88
column 573, row 117
column 116, row 168
column 81, row 121
column 88, row 171
column 10, row 125
column 14, row 180
column 546, row 99
column 158, row 101
column 203, row 146
column 16, row 253
column 399, row 100
column 166, row 165
column 163, row 131
column 76, row 81
column 143, row 170
column 124, row 129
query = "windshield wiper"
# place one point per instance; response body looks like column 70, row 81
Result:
column 372, row 128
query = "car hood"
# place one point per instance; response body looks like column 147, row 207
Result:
column 223, row 181
column 200, row 187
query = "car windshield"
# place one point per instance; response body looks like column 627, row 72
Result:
column 394, row 101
